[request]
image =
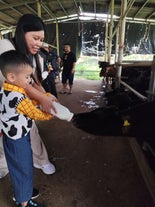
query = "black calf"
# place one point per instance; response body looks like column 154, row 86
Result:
column 137, row 121
column 101, row 121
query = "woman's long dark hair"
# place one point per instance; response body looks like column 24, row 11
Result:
column 28, row 23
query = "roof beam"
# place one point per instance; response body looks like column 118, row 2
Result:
column 150, row 15
column 81, row 7
column 5, row 25
column 125, row 14
column 12, row 8
column 31, row 9
column 2, row 24
column 51, row 14
column 16, row 4
column 76, row 5
column 141, row 7
column 8, row 16
column 62, row 8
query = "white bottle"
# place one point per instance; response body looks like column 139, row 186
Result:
column 63, row 112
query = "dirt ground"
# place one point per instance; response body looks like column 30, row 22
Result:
column 92, row 171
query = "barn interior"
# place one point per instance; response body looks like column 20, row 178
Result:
column 97, row 167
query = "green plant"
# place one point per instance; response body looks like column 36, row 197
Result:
column 87, row 68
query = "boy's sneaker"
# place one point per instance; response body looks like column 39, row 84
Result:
column 35, row 194
column 32, row 203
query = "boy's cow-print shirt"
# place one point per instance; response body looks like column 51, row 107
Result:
column 17, row 112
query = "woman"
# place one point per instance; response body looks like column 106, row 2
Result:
column 29, row 36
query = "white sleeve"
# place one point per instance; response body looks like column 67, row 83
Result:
column 1, row 78
column 41, row 60
column 6, row 45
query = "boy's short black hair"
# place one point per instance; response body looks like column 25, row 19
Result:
column 12, row 59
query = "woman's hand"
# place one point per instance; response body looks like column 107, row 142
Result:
column 46, row 103
column 72, row 71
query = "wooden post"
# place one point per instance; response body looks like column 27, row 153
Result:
column 106, row 40
column 79, row 28
column 151, row 92
column 110, row 31
column 116, row 46
column 57, row 37
column 121, row 43
column 39, row 7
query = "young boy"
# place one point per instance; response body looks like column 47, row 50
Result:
column 16, row 115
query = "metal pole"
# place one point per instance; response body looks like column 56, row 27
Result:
column 121, row 43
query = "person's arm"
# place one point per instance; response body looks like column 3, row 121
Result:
column 39, row 87
column 59, row 60
column 73, row 68
column 73, row 57
column 44, row 101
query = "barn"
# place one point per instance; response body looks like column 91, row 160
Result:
column 106, row 155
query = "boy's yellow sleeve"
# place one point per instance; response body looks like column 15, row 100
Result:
column 27, row 108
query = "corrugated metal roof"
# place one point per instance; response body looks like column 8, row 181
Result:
column 11, row 10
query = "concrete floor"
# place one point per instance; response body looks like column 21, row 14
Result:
column 92, row 171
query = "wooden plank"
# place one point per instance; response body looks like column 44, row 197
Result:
column 147, row 173
column 137, row 64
